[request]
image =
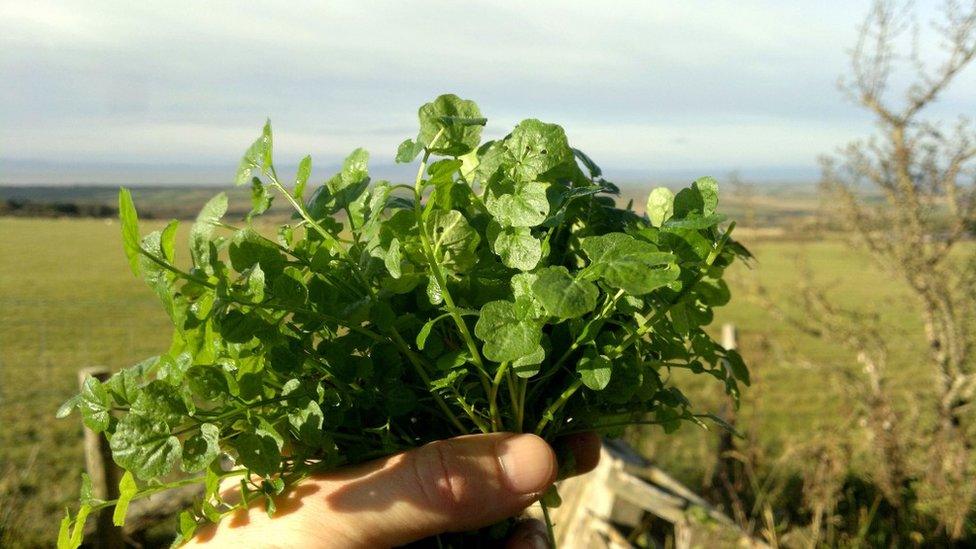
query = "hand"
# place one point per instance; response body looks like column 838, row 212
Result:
column 451, row 485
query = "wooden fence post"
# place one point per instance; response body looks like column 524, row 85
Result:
column 104, row 473
column 730, row 336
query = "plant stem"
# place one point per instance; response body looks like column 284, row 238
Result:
column 512, row 384
column 496, row 418
column 548, row 521
column 300, row 208
column 176, row 271
column 550, row 412
column 439, row 276
column 422, row 372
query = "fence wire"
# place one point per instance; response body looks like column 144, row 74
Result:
column 43, row 342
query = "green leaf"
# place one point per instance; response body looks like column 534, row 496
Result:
column 201, row 449
column 535, row 149
column 517, row 204
column 551, row 497
column 707, row 187
column 735, row 363
column 624, row 262
column 343, row 188
column 258, row 156
column 528, row 365
column 124, row 385
column 307, row 421
column 167, row 241
column 562, row 295
column 267, row 151
column 454, row 241
column 408, row 150
column 78, row 530
column 660, row 205
column 424, row 332
column 255, row 284
column 95, row 405
column 130, row 229
column 68, row 406
column 507, row 334
column 188, row 525
column 446, row 190
column 64, row 533
column 127, row 489
column 203, row 228
column 434, row 293
column 595, row 371
column 516, row 247
column 248, row 248
column 301, row 178
column 160, row 401
column 207, row 382
column 290, row 290
column 701, row 197
column 454, row 359
column 144, row 446
column 458, row 121
column 261, row 199
column 259, row 454
column 393, row 258
column 694, row 220
column 85, row 493
column 591, row 166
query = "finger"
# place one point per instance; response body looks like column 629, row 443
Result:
column 459, row 484
column 577, row 453
column 530, row 534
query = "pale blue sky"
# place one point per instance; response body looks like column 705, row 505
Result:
column 649, row 87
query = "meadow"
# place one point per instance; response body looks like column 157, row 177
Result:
column 68, row 301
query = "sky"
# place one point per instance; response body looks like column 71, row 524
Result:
column 143, row 92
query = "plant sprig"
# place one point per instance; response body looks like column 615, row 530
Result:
column 503, row 291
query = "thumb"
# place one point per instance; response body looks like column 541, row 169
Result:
column 450, row 485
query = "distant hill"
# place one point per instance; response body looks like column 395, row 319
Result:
column 752, row 205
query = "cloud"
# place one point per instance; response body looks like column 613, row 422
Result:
column 638, row 83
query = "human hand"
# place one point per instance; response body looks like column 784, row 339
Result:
column 453, row 485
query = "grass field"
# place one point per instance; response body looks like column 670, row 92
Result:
column 68, row 300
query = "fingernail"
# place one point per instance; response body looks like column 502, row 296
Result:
column 527, row 463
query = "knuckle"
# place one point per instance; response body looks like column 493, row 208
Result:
column 439, row 472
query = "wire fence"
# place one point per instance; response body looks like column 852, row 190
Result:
column 43, row 342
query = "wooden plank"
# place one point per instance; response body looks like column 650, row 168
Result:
column 104, row 473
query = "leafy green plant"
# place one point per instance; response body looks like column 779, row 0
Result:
column 503, row 290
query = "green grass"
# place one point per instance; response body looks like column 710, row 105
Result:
column 801, row 387
column 68, row 300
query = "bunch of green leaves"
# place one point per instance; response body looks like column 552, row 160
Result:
column 503, row 290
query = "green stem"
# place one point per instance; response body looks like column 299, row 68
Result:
column 146, row 492
column 587, row 334
column 176, row 271
column 328, row 237
column 496, row 418
column 523, row 385
column 439, row 275
column 422, row 372
column 548, row 521
column 513, row 394
column 550, row 412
